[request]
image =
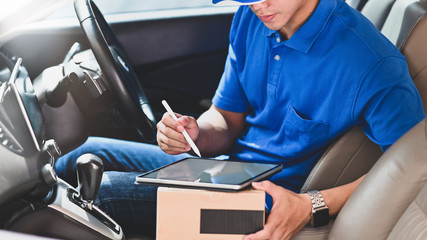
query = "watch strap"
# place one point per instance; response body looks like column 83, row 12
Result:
column 319, row 210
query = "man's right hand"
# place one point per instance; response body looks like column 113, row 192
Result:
column 169, row 133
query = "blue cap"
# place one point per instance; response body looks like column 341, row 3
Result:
column 236, row 2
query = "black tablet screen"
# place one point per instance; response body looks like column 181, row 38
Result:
column 211, row 171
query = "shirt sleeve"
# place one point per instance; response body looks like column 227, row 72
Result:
column 388, row 102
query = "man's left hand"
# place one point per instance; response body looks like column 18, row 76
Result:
column 289, row 214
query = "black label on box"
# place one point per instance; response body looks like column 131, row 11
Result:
column 218, row 221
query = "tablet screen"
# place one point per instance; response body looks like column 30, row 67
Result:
column 209, row 173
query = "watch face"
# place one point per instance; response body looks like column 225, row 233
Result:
column 321, row 217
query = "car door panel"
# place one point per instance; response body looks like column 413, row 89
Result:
column 179, row 59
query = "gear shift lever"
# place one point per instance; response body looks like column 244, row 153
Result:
column 89, row 174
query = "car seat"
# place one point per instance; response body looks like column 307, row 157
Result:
column 411, row 38
column 353, row 154
column 344, row 161
column 356, row 4
column 393, row 23
column 391, row 201
column 377, row 11
column 412, row 43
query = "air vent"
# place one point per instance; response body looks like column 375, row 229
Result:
column 8, row 141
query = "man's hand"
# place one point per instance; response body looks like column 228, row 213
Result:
column 169, row 133
column 289, row 214
column 214, row 132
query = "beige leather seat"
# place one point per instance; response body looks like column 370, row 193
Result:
column 353, row 154
column 409, row 151
column 412, row 41
column 347, row 159
column 391, row 202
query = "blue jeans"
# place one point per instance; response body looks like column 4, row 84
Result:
column 132, row 206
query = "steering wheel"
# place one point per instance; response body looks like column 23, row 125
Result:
column 117, row 69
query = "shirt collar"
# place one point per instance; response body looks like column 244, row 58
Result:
column 304, row 37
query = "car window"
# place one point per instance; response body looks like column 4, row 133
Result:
column 9, row 7
column 109, row 7
column 114, row 6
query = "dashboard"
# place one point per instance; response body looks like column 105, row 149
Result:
column 21, row 119
column 22, row 133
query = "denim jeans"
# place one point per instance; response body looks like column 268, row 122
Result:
column 131, row 205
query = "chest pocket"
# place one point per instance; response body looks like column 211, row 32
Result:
column 303, row 136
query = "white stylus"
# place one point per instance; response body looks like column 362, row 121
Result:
column 187, row 137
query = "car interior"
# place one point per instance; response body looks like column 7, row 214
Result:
column 105, row 75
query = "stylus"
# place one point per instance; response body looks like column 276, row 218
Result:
column 187, row 137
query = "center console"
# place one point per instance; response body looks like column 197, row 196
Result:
column 33, row 199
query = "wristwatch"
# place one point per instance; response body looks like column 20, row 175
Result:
column 319, row 210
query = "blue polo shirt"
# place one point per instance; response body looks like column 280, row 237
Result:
column 335, row 72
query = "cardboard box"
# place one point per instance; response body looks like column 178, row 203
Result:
column 201, row 214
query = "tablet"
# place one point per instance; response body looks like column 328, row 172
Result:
column 211, row 174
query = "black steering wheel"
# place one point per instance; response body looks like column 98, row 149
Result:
column 117, row 69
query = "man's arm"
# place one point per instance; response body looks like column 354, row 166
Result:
column 292, row 211
column 214, row 132
column 219, row 129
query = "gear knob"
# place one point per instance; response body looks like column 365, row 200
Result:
column 89, row 174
